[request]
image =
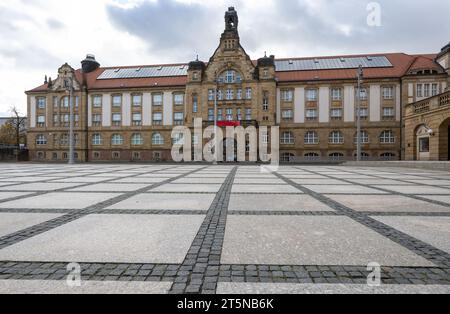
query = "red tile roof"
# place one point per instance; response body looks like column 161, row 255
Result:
column 402, row 64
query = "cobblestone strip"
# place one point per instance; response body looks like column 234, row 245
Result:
column 200, row 269
column 38, row 193
column 332, row 274
column 57, row 222
column 89, row 271
column 282, row 213
column 427, row 251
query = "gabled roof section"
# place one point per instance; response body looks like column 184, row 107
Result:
column 425, row 63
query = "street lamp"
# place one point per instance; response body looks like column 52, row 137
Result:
column 358, row 109
column 69, row 86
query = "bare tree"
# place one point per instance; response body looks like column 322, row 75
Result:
column 18, row 124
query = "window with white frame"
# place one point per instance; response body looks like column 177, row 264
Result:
column 219, row 115
column 230, row 76
column 41, row 139
column 311, row 114
column 287, row 157
column 336, row 137
column 64, row 139
column 287, row 115
column 96, row 120
column 157, row 118
column 363, row 113
column 157, row 99
column 116, row 119
column 265, row 138
column 220, row 94
column 311, row 138
column 364, row 137
column 388, row 92
column 137, row 100
column 117, row 100
column 137, row 118
column 336, row 113
column 311, row 94
column 178, row 99
column 117, row 139
column 230, row 115
column 55, row 120
column 239, row 114
column 41, row 121
column 287, row 95
column 287, row 138
column 97, row 139
column 157, row 139
column 41, row 102
column 65, row 102
column 336, row 156
column 178, row 118
column 336, row 94
column 55, row 101
column 434, row 89
column 230, row 94
column 388, row 113
column 426, row 90
column 363, row 94
column 97, row 101
column 419, row 90
column 248, row 114
column 210, row 115
column 248, row 93
column 195, row 103
column 178, row 139
column 387, row 137
column 137, row 139
column 211, row 94
column 239, row 94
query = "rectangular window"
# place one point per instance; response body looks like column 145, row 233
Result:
column 424, row 145
column 311, row 114
column 426, row 90
column 229, row 114
column 137, row 100
column 239, row 114
column 363, row 94
column 219, row 115
column 230, row 94
column 178, row 99
column 434, row 90
column 336, row 94
column 211, row 95
column 220, row 95
column 239, row 94
column 336, row 113
column 77, row 102
column 419, row 90
column 41, row 121
column 210, row 115
column 179, row 118
column 388, row 93
column 41, row 101
column 97, row 101
column 157, row 99
column 55, row 102
column 388, row 113
column 364, row 113
column 287, row 115
column 311, row 95
column 117, row 100
column 96, row 120
column 248, row 93
column 248, row 114
column 116, row 119
column 287, row 95
column 157, row 118
column 55, row 120
column 137, row 119
column 195, row 104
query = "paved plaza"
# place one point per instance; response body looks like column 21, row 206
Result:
column 161, row 228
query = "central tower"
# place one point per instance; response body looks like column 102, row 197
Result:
column 231, row 20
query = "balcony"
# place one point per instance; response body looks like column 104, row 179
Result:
column 429, row 104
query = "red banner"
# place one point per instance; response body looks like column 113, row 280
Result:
column 228, row 123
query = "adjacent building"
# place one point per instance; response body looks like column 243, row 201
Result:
column 128, row 113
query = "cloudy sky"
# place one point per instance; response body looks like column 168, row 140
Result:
column 37, row 36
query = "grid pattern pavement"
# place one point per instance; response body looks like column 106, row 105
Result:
column 228, row 228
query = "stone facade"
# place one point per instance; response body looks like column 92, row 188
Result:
column 127, row 114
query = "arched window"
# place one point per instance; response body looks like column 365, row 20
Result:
column 364, row 137
column 336, row 156
column 336, row 137
column 312, row 156
column 287, row 157
column 287, row 138
column 388, row 156
column 364, row 155
column 97, row 139
column 157, row 139
column 117, row 139
column 230, row 77
column 311, row 138
column 387, row 137
column 41, row 139
column 137, row 139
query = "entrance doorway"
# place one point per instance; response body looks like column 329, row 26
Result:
column 423, row 143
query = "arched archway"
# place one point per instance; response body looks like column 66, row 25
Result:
column 444, row 140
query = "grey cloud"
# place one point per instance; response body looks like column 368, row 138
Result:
column 179, row 30
column 54, row 24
